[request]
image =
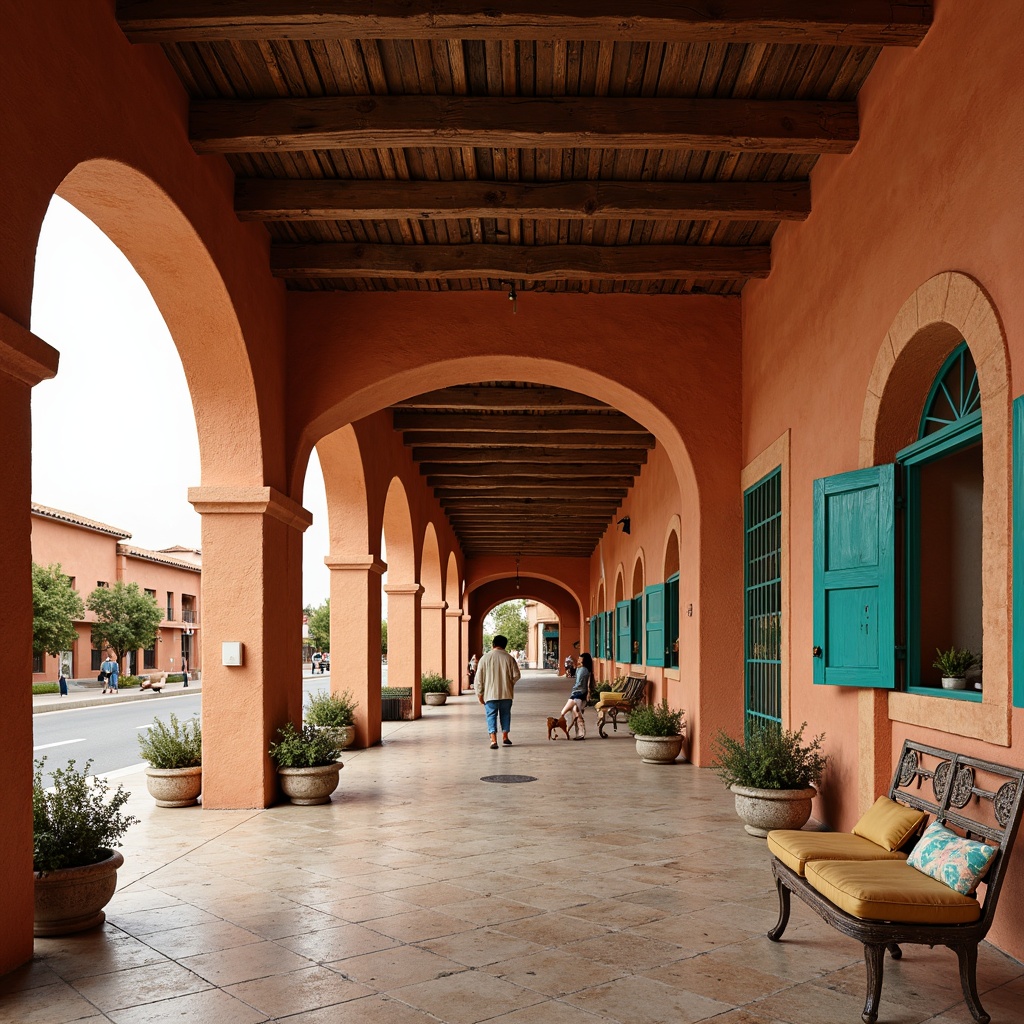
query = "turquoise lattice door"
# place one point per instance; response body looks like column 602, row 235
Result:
column 854, row 578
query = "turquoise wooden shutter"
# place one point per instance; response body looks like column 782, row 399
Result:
column 636, row 654
column 854, row 578
column 654, row 600
column 593, row 635
column 609, row 635
column 623, row 631
column 1018, row 552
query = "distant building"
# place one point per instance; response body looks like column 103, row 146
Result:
column 95, row 555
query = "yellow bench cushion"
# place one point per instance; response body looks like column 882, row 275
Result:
column 612, row 698
column 795, row 847
column 889, row 890
column 889, row 824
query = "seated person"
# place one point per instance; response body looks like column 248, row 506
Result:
column 577, row 701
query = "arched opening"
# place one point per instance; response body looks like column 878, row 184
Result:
column 404, row 594
column 432, row 606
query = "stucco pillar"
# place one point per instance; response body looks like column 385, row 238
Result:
column 453, row 658
column 355, row 639
column 466, row 652
column 252, row 593
column 432, row 636
column 404, row 638
column 25, row 360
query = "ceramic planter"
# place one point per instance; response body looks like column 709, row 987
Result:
column 435, row 698
column 954, row 682
column 175, row 787
column 659, row 749
column 310, row 785
column 762, row 810
column 71, row 900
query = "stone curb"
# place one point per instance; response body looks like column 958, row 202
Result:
column 119, row 698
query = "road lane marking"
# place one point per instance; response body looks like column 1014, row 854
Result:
column 60, row 743
column 148, row 725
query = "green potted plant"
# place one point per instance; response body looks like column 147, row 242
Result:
column 336, row 712
column 772, row 774
column 435, row 688
column 657, row 729
column 75, row 830
column 954, row 664
column 174, row 777
column 307, row 763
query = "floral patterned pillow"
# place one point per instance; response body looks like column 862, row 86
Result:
column 957, row 862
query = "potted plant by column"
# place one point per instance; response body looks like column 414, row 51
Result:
column 657, row 729
column 307, row 763
column 772, row 774
column 435, row 688
column 174, row 777
column 334, row 712
column 954, row 664
column 75, row 828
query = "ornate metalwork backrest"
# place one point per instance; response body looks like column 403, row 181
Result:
column 977, row 799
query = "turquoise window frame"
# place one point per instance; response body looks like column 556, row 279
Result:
column 672, row 621
column 623, row 630
column 636, row 656
column 654, row 625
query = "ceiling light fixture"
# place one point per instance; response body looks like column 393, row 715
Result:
column 513, row 295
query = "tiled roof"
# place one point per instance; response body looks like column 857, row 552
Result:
column 158, row 556
column 76, row 520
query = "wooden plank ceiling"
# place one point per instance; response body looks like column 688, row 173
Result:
column 644, row 146
column 523, row 469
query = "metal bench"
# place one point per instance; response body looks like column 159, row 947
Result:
column 616, row 705
column 955, row 781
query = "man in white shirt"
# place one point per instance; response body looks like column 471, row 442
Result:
column 496, row 676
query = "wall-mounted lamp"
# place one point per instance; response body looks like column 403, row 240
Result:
column 624, row 523
column 517, row 572
column 513, row 295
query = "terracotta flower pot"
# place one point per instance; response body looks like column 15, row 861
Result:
column 175, row 787
column 310, row 785
column 659, row 749
column 762, row 810
column 71, row 900
column 435, row 698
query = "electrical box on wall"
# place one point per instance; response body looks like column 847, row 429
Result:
column 232, row 652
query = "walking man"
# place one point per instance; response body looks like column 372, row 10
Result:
column 495, row 681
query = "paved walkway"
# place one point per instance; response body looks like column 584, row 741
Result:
column 606, row 890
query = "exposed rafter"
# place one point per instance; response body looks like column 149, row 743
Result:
column 838, row 22
column 523, row 262
column 539, row 438
column 313, row 200
column 570, row 122
column 502, row 398
column 591, row 423
column 535, row 456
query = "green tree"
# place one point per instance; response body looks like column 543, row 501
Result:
column 320, row 626
column 383, row 638
column 55, row 606
column 509, row 620
column 127, row 619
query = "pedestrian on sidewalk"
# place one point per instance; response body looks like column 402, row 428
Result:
column 62, row 683
column 114, row 674
column 496, row 676
column 184, row 672
column 107, row 672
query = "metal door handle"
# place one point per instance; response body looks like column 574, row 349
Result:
column 817, row 652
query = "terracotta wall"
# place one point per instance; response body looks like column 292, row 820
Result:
column 934, row 185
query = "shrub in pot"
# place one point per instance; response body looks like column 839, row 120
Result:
column 75, row 830
column 307, row 763
column 954, row 665
column 657, row 729
column 435, row 688
column 334, row 712
column 772, row 775
column 175, row 755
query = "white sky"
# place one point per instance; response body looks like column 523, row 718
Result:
column 114, row 435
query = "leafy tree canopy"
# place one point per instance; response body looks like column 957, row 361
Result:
column 320, row 626
column 127, row 619
column 55, row 606
column 508, row 619
column 384, row 637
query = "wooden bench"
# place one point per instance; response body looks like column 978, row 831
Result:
column 615, row 705
column 843, row 865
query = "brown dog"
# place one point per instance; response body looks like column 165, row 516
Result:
column 554, row 724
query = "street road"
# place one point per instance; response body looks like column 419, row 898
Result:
column 108, row 733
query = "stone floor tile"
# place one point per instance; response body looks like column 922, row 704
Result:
column 479, row 947
column 375, row 1009
column 554, row 972
column 437, row 894
column 554, row 929
column 142, row 922
column 245, row 963
column 467, row 997
column 337, row 943
column 615, row 913
column 628, row 950
column 205, row 938
column 644, row 1001
column 213, row 1006
column 419, row 925
column 552, row 1011
column 818, row 1004
column 709, row 975
column 391, row 968
column 34, row 974
column 367, row 908
column 121, row 989
column 46, row 1004
column 490, row 910
column 793, row 960
column 95, row 952
column 278, row 924
column 308, row 989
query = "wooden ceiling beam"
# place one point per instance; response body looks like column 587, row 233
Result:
column 515, row 122
column 503, row 398
column 591, row 423
column 522, row 262
column 538, row 456
column 541, row 438
column 623, row 471
column 291, row 200
column 606, row 487
column 837, row 23
column 524, row 490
